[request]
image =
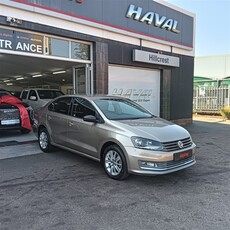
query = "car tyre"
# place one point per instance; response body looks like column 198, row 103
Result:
column 24, row 131
column 114, row 163
column 44, row 140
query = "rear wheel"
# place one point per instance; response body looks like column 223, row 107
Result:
column 114, row 163
column 44, row 140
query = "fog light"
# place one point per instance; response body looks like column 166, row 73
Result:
column 148, row 164
column 151, row 164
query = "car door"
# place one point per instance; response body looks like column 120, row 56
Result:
column 24, row 96
column 57, row 120
column 82, row 135
column 32, row 99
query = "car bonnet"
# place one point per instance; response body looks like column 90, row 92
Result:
column 154, row 128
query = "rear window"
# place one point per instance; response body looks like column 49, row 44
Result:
column 49, row 94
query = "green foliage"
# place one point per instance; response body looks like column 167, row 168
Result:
column 225, row 112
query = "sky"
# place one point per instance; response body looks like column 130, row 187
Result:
column 212, row 36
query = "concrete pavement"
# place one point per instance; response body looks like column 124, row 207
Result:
column 15, row 144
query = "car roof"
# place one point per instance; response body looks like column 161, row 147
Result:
column 41, row 89
column 93, row 98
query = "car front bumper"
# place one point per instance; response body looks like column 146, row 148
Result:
column 156, row 162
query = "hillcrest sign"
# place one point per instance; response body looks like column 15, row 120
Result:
column 152, row 18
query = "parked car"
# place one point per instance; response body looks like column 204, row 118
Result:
column 122, row 135
column 10, row 115
column 37, row 97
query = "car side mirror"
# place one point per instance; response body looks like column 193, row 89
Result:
column 33, row 98
column 90, row 118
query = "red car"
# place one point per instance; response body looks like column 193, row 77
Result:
column 14, row 114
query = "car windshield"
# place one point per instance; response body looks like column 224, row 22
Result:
column 49, row 94
column 122, row 109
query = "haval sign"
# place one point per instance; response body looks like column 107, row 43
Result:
column 152, row 18
column 147, row 19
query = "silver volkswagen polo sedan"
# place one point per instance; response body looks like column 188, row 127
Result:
column 122, row 135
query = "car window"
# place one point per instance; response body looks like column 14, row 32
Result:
column 120, row 109
column 49, row 94
column 24, row 94
column 61, row 105
column 32, row 93
column 82, row 107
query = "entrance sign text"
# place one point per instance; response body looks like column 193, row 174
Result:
column 21, row 41
column 154, row 58
column 152, row 18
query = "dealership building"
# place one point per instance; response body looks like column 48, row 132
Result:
column 143, row 50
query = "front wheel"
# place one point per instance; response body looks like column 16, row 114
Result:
column 44, row 140
column 114, row 163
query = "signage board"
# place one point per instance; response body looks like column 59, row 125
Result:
column 21, row 41
column 146, row 19
column 139, row 85
column 155, row 58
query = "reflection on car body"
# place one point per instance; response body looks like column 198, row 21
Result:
column 119, row 133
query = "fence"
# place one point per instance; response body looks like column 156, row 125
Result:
column 210, row 99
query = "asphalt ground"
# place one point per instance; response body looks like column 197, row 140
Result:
column 62, row 190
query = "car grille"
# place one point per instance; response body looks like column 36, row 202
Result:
column 173, row 164
column 8, row 114
column 168, row 165
column 173, row 145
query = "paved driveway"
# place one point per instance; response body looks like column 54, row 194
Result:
column 62, row 190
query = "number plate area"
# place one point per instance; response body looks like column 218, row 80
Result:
column 10, row 122
column 182, row 155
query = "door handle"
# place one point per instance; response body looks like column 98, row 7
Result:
column 49, row 118
column 70, row 123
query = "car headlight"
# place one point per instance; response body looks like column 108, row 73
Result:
column 143, row 143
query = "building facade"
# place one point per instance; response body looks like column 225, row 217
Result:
column 143, row 50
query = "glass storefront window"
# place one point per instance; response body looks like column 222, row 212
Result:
column 80, row 51
column 57, row 47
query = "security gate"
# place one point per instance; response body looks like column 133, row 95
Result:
column 210, row 99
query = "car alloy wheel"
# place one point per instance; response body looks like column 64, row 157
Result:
column 114, row 163
column 44, row 140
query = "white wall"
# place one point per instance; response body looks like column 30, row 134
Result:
column 215, row 67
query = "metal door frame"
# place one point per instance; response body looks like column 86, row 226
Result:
column 88, row 79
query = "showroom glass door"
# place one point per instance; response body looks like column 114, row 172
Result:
column 82, row 80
